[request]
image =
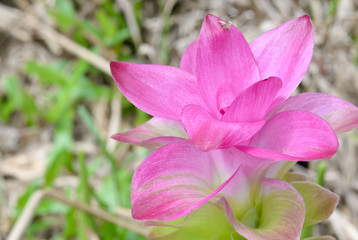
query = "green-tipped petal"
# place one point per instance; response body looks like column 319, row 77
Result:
column 320, row 202
column 294, row 177
column 279, row 169
column 281, row 214
column 209, row 222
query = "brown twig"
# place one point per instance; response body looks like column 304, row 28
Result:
column 31, row 22
column 27, row 214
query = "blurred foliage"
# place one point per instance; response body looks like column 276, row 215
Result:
column 68, row 87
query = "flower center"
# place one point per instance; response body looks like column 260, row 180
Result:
column 225, row 96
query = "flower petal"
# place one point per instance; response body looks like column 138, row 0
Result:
column 223, row 59
column 285, row 52
column 153, row 134
column 340, row 114
column 208, row 133
column 205, row 223
column 320, row 202
column 294, row 135
column 280, row 169
column 294, row 177
column 282, row 213
column 177, row 179
column 253, row 103
column 188, row 60
column 161, row 91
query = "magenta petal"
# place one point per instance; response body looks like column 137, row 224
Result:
column 340, row 114
column 282, row 213
column 175, row 180
column 161, row 91
column 223, row 59
column 294, row 135
column 285, row 52
column 253, row 103
column 208, row 133
column 154, row 133
column 188, row 60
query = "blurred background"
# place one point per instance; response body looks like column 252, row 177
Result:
column 61, row 176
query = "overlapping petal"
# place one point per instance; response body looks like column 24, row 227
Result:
column 294, row 135
column 188, row 60
column 223, row 58
column 253, row 103
column 154, row 133
column 320, row 202
column 285, row 52
column 340, row 114
column 281, row 214
column 176, row 179
column 208, row 133
column 161, row 91
column 207, row 222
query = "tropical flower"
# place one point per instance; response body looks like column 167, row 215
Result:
column 222, row 123
column 223, row 194
column 230, row 93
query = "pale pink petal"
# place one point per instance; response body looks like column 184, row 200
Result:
column 247, row 182
column 223, row 59
column 153, row 134
column 294, row 135
column 340, row 114
column 188, row 60
column 285, row 52
column 161, row 91
column 253, row 103
column 177, row 179
column 208, row 133
column 281, row 214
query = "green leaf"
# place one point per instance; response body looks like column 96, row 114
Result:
column 21, row 202
column 64, row 14
column 62, row 150
column 87, row 120
column 321, row 170
column 47, row 74
column 70, row 227
column 107, row 25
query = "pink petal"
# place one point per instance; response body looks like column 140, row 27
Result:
column 285, row 52
column 253, row 103
column 153, row 134
column 282, row 213
column 177, row 179
column 188, row 60
column 223, row 59
column 340, row 114
column 208, row 133
column 294, row 135
column 161, row 91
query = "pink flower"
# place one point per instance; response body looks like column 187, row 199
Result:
column 230, row 93
column 221, row 194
